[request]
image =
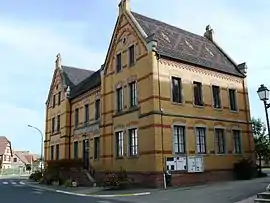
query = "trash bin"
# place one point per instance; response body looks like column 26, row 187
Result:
column 168, row 177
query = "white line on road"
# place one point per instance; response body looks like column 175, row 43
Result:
column 101, row 201
column 13, row 183
column 5, row 183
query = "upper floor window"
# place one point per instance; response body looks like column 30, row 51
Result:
column 53, row 124
column 118, row 62
column 52, row 152
column 237, row 141
column 53, row 101
column 220, row 141
column 179, row 139
column 176, row 90
column 76, row 118
column 97, row 109
column 57, row 152
column 232, row 97
column 133, row 93
column 216, row 96
column 201, row 140
column 198, row 97
column 119, row 99
column 59, row 98
column 86, row 113
column 75, row 148
column 119, row 139
column 131, row 51
column 58, row 123
column 14, row 159
column 96, row 147
column 133, row 142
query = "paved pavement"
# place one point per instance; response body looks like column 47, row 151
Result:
column 15, row 191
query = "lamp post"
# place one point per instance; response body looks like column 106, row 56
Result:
column 41, row 150
column 263, row 93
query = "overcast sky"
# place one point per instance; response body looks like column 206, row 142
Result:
column 33, row 32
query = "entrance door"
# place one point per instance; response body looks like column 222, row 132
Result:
column 86, row 153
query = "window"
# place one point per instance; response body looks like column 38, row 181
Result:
column 97, row 109
column 58, row 123
column 53, row 101
column 97, row 147
column 220, row 141
column 197, row 87
column 118, row 62
column 59, row 98
column 133, row 93
column 131, row 51
column 53, row 124
column 76, row 118
column 86, row 113
column 119, row 99
column 133, row 142
column 216, row 96
column 15, row 159
column 179, row 139
column 57, row 152
column 201, row 140
column 52, row 152
column 232, row 97
column 176, row 90
column 236, row 141
column 75, row 149
column 119, row 144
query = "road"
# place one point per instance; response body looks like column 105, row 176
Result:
column 12, row 190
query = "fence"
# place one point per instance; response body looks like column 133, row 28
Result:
column 13, row 171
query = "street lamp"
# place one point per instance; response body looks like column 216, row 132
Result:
column 41, row 151
column 263, row 93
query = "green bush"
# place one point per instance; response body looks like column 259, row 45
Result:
column 114, row 181
column 36, row 176
column 244, row 169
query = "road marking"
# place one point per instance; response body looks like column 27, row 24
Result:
column 101, row 201
column 13, row 183
column 5, row 183
column 22, row 183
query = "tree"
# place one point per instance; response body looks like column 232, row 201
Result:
column 261, row 140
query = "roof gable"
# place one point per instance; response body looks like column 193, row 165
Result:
column 3, row 144
column 185, row 46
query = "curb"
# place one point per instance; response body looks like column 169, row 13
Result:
column 85, row 195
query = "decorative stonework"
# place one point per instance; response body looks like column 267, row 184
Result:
column 201, row 71
column 119, row 84
column 132, row 78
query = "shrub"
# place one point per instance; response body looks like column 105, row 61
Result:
column 64, row 164
column 244, row 169
column 36, row 176
column 111, row 180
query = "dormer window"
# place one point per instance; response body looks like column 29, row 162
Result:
column 118, row 62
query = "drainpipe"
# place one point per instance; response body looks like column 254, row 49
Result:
column 161, row 121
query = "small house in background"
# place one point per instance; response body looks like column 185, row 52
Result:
column 23, row 160
column 5, row 152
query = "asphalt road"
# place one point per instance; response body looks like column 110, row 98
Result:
column 13, row 190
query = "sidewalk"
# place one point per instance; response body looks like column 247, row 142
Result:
column 88, row 191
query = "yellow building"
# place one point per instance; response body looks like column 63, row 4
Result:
column 164, row 98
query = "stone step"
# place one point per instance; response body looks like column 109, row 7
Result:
column 264, row 195
column 260, row 200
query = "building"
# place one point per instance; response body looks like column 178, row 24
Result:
column 164, row 99
column 22, row 159
column 5, row 153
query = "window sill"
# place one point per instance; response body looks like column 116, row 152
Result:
column 119, row 158
column 133, row 157
column 131, row 65
column 217, row 108
column 198, row 106
column 232, row 111
column 221, row 154
column 176, row 103
column 56, row 133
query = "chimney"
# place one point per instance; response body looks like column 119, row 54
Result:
column 58, row 61
column 124, row 6
column 209, row 33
